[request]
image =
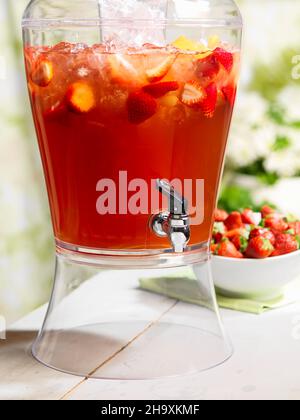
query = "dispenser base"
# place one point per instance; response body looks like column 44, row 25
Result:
column 134, row 351
column 103, row 323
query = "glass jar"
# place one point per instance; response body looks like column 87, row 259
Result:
column 132, row 103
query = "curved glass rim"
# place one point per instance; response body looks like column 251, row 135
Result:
column 230, row 23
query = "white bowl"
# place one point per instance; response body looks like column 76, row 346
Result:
column 255, row 279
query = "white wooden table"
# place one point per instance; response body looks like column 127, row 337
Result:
column 265, row 366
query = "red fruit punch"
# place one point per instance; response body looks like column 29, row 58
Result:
column 96, row 118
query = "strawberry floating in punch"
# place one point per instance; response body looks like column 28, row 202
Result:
column 193, row 94
column 208, row 105
column 157, row 90
column 42, row 73
column 80, row 97
column 141, row 106
column 207, row 67
column 225, row 58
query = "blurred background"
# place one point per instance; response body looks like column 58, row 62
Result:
column 263, row 162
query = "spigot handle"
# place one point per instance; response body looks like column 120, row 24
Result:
column 178, row 205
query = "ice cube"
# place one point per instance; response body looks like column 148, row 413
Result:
column 134, row 22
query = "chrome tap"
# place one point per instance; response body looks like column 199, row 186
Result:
column 175, row 223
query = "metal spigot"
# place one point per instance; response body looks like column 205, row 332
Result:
column 175, row 223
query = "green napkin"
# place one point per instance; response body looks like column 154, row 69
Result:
column 184, row 287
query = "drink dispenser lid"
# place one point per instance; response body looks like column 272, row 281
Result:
column 209, row 13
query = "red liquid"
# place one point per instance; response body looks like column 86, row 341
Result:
column 87, row 138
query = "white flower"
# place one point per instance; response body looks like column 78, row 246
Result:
column 289, row 100
column 285, row 163
column 251, row 107
column 252, row 134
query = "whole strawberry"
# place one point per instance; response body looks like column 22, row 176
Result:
column 264, row 233
column 234, row 221
column 259, row 247
column 240, row 242
column 295, row 226
column 227, row 249
column 251, row 218
column 141, row 106
column 220, row 215
column 276, row 223
column 219, row 231
column 285, row 244
column 266, row 211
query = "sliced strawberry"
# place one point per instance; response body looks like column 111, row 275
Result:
column 80, row 97
column 42, row 73
column 209, row 104
column 237, row 232
column 220, row 215
column 264, row 233
column 193, row 94
column 141, row 106
column 159, row 72
column 259, row 248
column 157, row 90
column 225, row 58
column 249, row 217
column 285, row 244
column 227, row 249
column 234, row 221
column 207, row 67
column 229, row 93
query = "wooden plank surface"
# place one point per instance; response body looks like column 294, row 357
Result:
column 265, row 365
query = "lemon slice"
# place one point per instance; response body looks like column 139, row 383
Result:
column 183, row 43
column 213, row 42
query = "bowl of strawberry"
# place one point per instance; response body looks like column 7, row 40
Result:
column 255, row 254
